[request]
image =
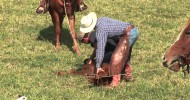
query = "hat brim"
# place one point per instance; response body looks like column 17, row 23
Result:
column 91, row 27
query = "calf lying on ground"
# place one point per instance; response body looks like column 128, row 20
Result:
column 115, row 67
column 88, row 71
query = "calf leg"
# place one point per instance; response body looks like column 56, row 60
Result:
column 120, row 54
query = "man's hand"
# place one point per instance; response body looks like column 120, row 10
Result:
column 98, row 70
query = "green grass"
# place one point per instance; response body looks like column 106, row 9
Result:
column 28, row 58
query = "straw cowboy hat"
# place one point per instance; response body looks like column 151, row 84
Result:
column 88, row 23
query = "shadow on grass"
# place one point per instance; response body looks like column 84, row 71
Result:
column 47, row 34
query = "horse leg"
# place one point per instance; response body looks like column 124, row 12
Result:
column 73, row 33
column 57, row 20
column 69, row 10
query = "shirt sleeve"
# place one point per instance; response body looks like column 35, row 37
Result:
column 101, row 42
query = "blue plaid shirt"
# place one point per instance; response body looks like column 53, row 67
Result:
column 106, row 28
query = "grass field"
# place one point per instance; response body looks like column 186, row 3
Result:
column 28, row 58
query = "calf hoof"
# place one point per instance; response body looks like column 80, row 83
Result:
column 129, row 78
column 112, row 86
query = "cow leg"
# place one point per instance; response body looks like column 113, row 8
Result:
column 57, row 20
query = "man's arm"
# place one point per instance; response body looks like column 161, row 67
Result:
column 101, row 43
column 93, row 55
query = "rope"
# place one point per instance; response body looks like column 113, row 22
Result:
column 94, row 75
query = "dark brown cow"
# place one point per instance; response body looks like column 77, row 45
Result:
column 58, row 9
column 179, row 53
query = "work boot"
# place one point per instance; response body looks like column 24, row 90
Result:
column 115, row 81
column 128, row 73
column 43, row 7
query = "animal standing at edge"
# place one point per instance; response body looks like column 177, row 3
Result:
column 178, row 55
column 58, row 9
